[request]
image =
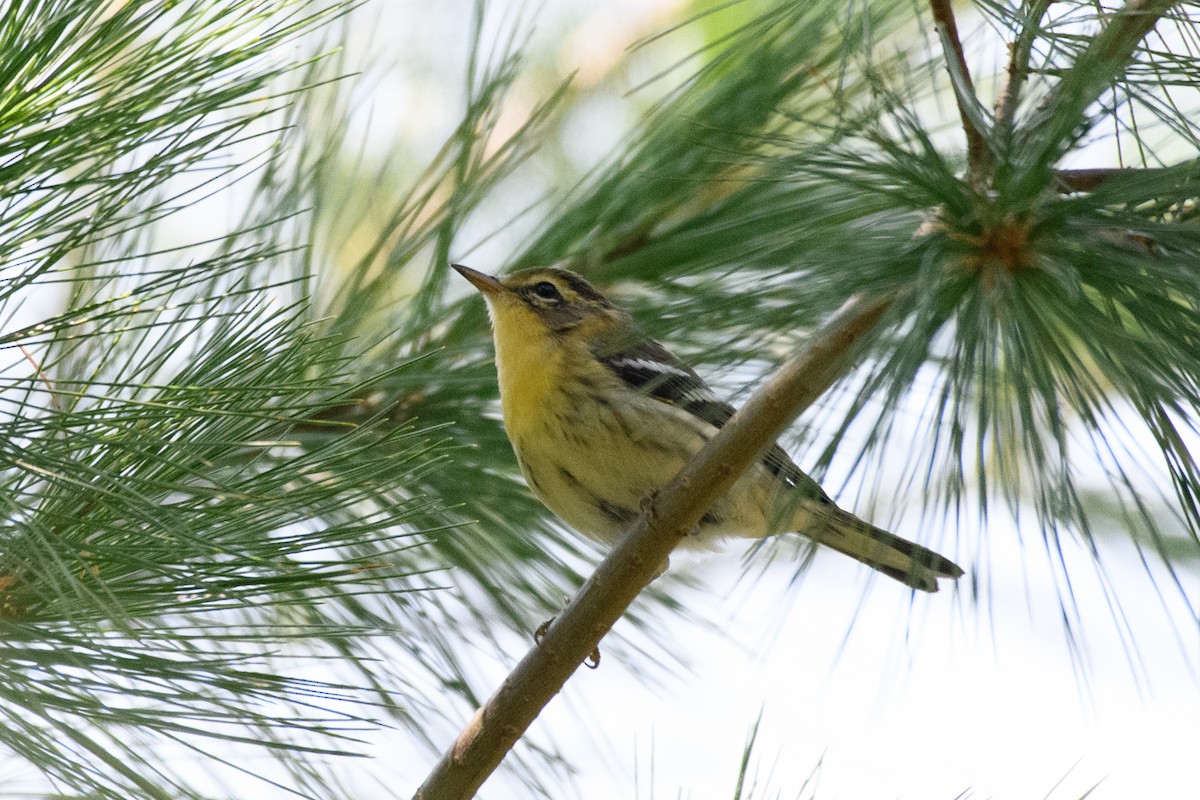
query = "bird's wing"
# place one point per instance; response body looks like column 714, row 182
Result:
column 653, row 370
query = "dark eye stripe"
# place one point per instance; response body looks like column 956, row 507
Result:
column 585, row 289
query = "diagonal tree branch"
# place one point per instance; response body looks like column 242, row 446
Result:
column 1050, row 131
column 640, row 555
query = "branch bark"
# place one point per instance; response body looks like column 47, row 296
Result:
column 979, row 158
column 1086, row 180
column 638, row 557
column 1017, row 71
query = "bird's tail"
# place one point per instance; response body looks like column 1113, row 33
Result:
column 907, row 562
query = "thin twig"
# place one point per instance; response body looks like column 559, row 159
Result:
column 41, row 374
column 1086, row 180
column 1019, row 53
column 979, row 161
column 639, row 556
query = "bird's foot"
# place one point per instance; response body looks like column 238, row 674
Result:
column 592, row 661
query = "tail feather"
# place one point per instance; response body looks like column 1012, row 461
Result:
column 905, row 561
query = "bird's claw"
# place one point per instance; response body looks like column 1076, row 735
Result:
column 592, row 661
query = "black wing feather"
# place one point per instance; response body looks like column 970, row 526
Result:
column 654, row 370
column 650, row 368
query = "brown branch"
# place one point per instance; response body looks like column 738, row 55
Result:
column 41, row 374
column 979, row 159
column 638, row 557
column 1017, row 71
column 1086, row 180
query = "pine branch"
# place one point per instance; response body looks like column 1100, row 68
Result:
column 1086, row 180
column 1017, row 71
column 979, row 159
column 642, row 553
column 1051, row 131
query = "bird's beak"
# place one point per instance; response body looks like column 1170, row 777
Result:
column 484, row 283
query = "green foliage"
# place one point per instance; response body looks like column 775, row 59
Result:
column 165, row 530
column 220, row 456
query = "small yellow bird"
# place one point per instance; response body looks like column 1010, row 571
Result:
column 600, row 416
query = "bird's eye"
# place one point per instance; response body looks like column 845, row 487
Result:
column 547, row 291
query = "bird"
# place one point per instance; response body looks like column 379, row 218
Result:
column 600, row 417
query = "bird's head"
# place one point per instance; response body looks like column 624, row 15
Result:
column 546, row 299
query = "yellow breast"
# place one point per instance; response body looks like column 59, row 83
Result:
column 590, row 447
column 529, row 367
